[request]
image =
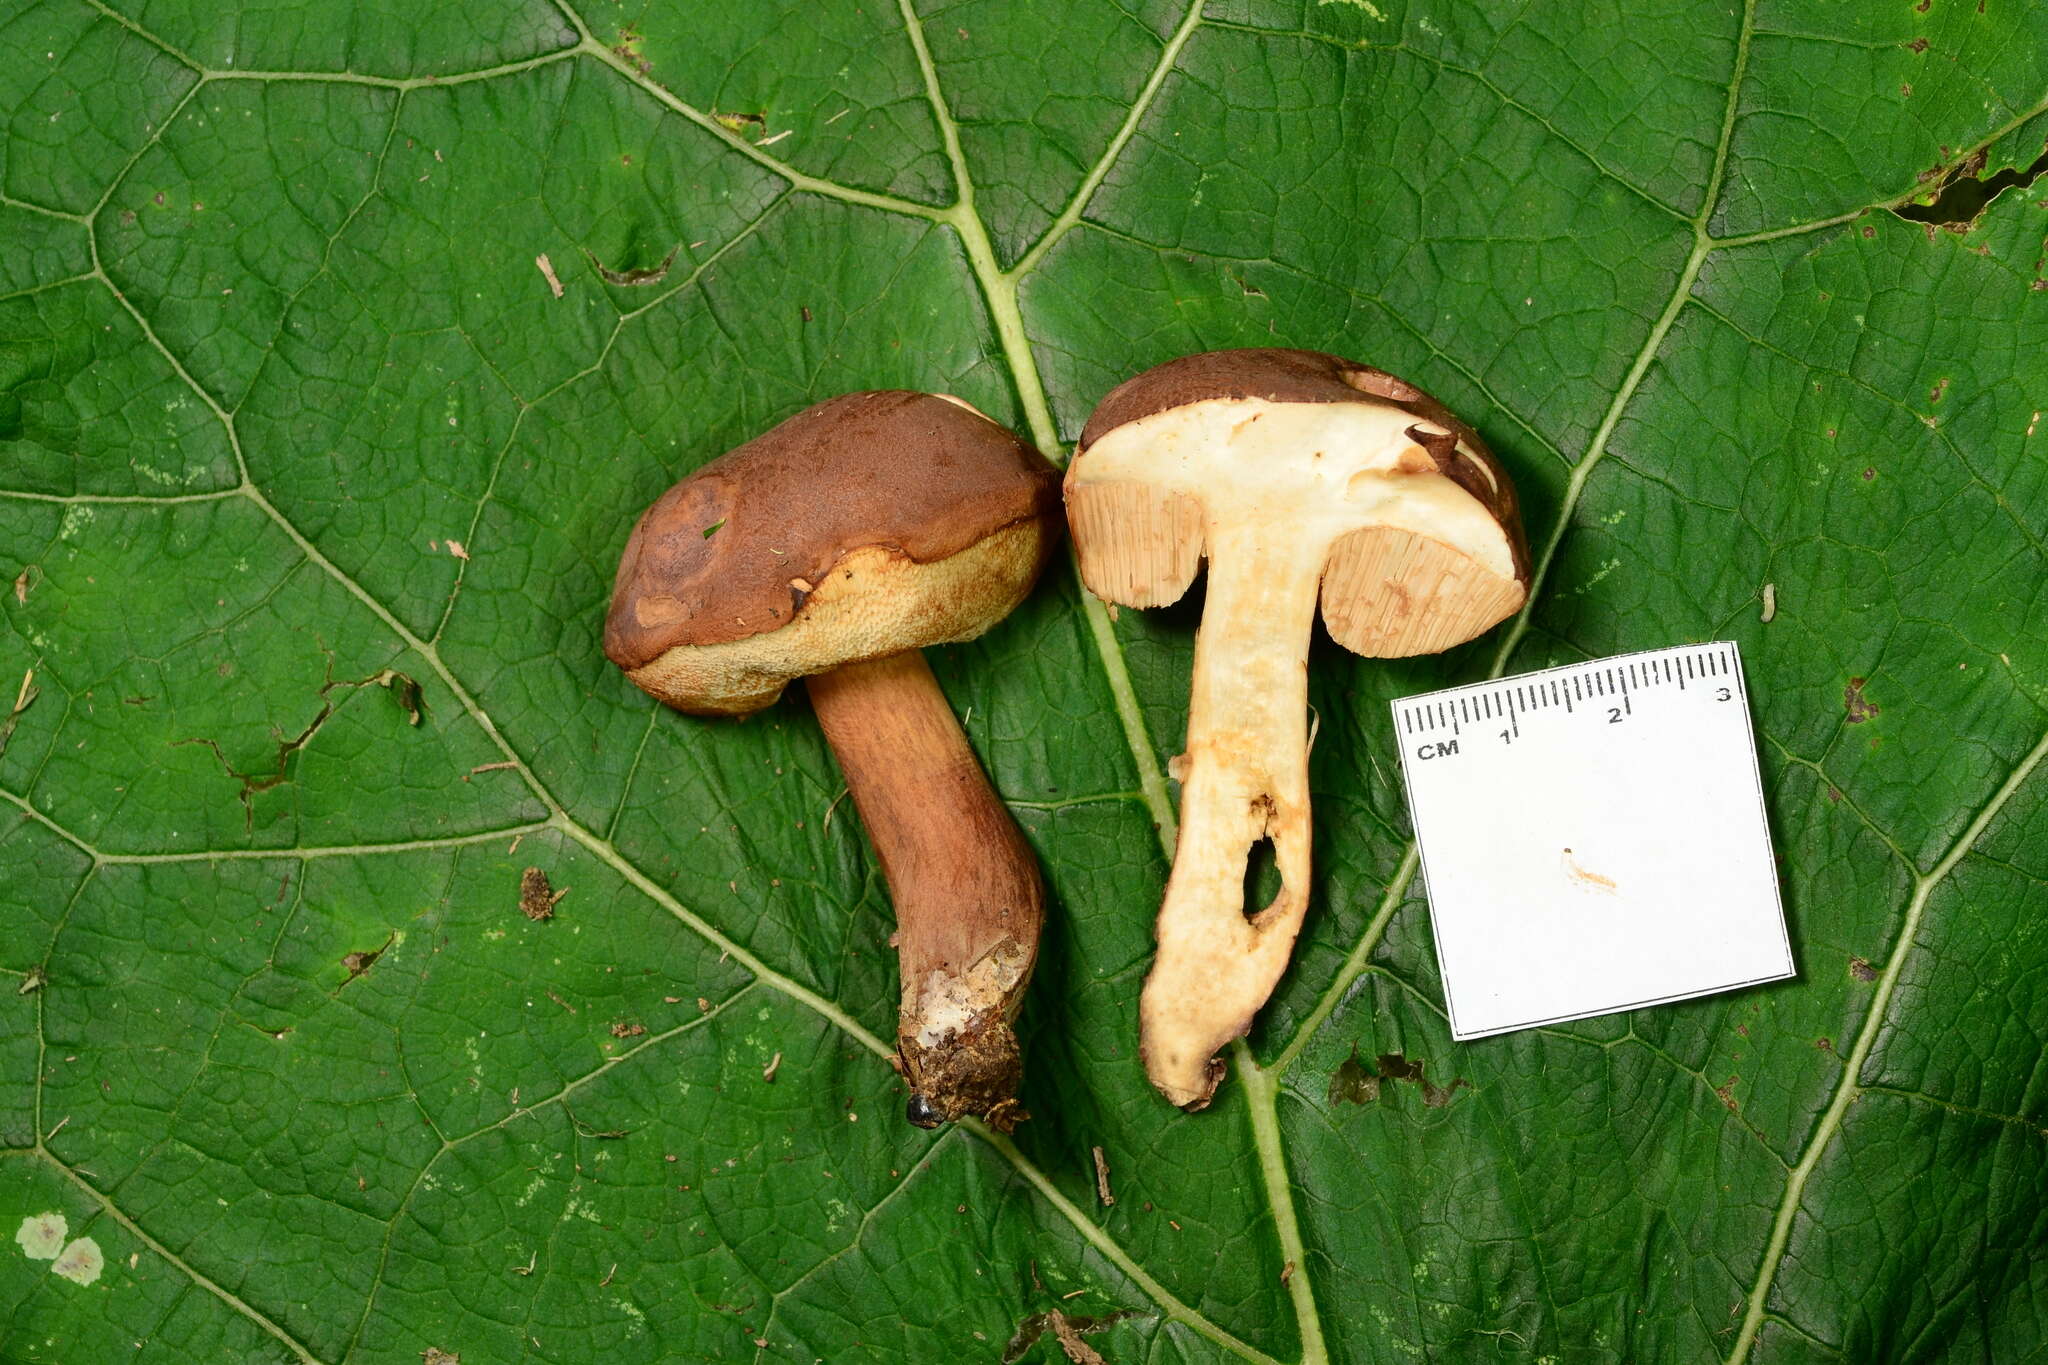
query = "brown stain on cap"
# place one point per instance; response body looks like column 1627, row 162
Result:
column 713, row 559
column 1283, row 375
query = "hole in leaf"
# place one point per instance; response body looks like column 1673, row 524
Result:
column 1963, row 191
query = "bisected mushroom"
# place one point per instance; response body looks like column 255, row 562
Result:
column 833, row 548
column 1301, row 477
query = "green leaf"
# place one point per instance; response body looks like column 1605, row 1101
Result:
column 312, row 483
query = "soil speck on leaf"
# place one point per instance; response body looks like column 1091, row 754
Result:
column 1858, row 707
column 622, row 1029
column 537, row 899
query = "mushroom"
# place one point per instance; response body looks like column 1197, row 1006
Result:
column 833, row 548
column 1299, row 475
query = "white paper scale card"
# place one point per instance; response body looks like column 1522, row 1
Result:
column 1593, row 838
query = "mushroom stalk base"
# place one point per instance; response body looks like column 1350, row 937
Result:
column 1244, row 778
column 969, row 901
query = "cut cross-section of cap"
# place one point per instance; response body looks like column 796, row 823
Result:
column 1302, row 478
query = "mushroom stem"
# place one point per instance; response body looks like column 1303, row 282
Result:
column 1245, row 778
column 965, row 885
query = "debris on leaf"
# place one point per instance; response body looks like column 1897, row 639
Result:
column 1077, row 1350
column 547, row 272
column 21, row 585
column 434, row 1355
column 455, row 548
column 622, row 1029
column 640, row 276
column 740, row 123
column 1102, row 1191
column 36, row 979
column 23, row 699
column 768, row 1071
column 1067, row 1330
column 537, row 900
column 601, row 1134
column 1770, row 603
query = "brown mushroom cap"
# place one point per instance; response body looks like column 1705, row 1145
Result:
column 864, row 525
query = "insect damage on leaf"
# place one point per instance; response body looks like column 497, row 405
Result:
column 404, row 689
column 41, row 1235
column 434, row 1355
column 357, row 963
column 642, row 275
column 1953, row 196
column 537, row 899
column 1355, row 1083
column 1855, row 704
column 1067, row 1331
column 401, row 686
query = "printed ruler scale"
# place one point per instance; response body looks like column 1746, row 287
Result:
column 1593, row 838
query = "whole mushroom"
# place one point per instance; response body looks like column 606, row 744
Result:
column 833, row 548
column 1301, row 477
